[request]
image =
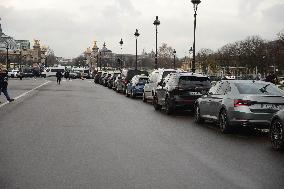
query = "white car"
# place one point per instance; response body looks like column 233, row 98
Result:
column 13, row 73
column 155, row 78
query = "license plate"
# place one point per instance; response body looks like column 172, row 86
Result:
column 194, row 93
column 271, row 106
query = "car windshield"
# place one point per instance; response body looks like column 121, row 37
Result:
column 258, row 88
column 165, row 73
column 193, row 81
column 143, row 80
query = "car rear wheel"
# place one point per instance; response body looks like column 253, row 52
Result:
column 155, row 103
column 197, row 115
column 144, row 98
column 168, row 107
column 276, row 134
column 223, row 122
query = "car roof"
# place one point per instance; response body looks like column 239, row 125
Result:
column 247, row 81
column 190, row 74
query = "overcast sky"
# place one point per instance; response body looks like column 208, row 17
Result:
column 70, row 26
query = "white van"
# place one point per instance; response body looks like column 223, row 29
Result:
column 51, row 71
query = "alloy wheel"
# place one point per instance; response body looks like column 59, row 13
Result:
column 223, row 122
column 276, row 134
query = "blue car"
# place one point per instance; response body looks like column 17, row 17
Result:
column 136, row 86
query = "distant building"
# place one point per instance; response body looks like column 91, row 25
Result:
column 23, row 44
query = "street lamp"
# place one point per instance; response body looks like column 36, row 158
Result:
column 195, row 4
column 136, row 36
column 120, row 62
column 190, row 51
column 156, row 23
column 174, row 58
column 7, row 56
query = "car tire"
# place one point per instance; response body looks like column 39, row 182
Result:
column 197, row 116
column 126, row 93
column 155, row 103
column 144, row 98
column 276, row 134
column 132, row 94
column 224, row 123
column 168, row 107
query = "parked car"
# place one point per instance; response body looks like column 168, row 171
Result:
column 180, row 91
column 13, row 73
column 105, row 79
column 102, row 77
column 136, row 86
column 28, row 72
column 277, row 130
column 118, row 84
column 110, row 82
column 97, row 77
column 128, row 74
column 234, row 103
column 155, row 77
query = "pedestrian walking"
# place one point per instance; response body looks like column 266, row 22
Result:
column 4, row 84
column 58, row 76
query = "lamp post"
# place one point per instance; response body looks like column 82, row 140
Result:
column 174, row 58
column 7, row 56
column 120, row 62
column 156, row 23
column 195, row 5
column 190, row 51
column 136, row 34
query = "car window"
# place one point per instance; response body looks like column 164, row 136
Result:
column 193, row 81
column 258, row 88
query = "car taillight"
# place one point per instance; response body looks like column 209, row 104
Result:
column 239, row 102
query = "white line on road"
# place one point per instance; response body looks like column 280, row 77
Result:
column 25, row 93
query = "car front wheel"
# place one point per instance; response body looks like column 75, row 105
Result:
column 144, row 98
column 155, row 103
column 197, row 115
column 276, row 134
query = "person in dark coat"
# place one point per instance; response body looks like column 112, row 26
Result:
column 58, row 76
column 4, row 84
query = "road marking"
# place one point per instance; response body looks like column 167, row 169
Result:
column 25, row 93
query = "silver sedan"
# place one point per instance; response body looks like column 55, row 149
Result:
column 233, row 103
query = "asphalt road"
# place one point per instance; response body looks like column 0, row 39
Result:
column 81, row 135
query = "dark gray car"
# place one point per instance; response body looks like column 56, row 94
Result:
column 277, row 130
column 240, row 103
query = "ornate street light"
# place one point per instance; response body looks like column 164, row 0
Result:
column 174, row 58
column 136, row 34
column 120, row 62
column 156, row 23
column 195, row 4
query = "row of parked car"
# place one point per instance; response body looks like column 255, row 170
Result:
column 229, row 103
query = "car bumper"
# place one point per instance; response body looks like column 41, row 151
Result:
column 250, row 119
column 184, row 102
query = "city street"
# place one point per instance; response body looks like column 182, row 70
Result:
column 83, row 135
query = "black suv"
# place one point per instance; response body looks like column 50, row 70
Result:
column 180, row 91
column 128, row 74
